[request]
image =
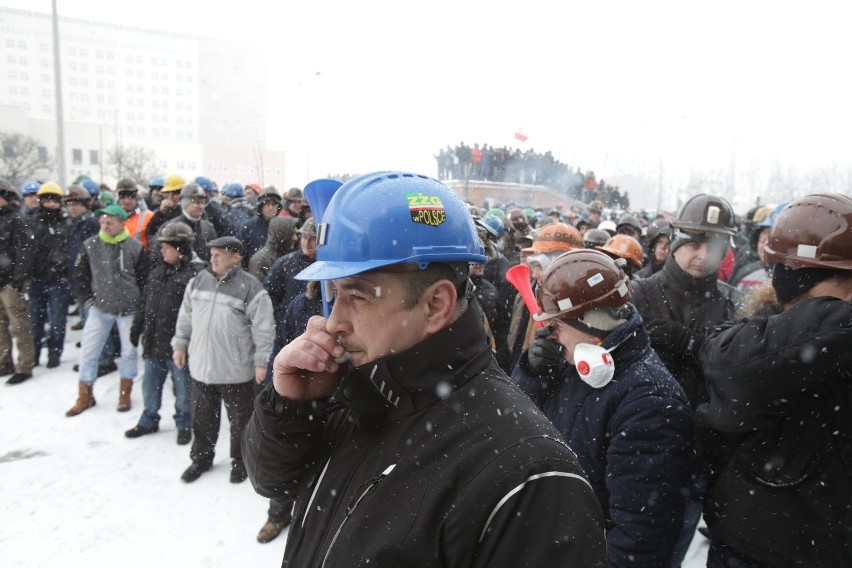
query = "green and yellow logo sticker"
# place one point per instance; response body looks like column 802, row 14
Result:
column 426, row 209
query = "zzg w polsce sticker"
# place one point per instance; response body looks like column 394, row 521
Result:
column 426, row 209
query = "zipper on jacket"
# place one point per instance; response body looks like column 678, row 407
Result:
column 369, row 487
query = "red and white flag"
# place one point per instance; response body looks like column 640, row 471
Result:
column 519, row 135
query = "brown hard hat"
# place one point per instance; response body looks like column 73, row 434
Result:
column 813, row 232
column 581, row 280
column 625, row 246
column 77, row 193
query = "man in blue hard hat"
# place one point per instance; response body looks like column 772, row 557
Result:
column 418, row 450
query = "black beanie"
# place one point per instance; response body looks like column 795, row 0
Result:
column 790, row 283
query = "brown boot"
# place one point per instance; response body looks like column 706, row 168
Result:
column 124, row 395
column 85, row 400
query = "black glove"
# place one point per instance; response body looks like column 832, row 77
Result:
column 543, row 354
column 135, row 332
column 674, row 339
column 19, row 285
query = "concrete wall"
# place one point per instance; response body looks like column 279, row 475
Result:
column 477, row 191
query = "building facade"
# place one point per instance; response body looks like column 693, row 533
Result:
column 198, row 104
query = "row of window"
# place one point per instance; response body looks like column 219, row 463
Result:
column 77, row 157
column 243, row 169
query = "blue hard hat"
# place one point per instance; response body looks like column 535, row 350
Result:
column 90, row 186
column 496, row 225
column 157, row 182
column 30, row 187
column 387, row 218
column 234, row 190
column 206, row 184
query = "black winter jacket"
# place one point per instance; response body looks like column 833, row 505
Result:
column 154, row 323
column 699, row 304
column 781, row 390
column 281, row 283
column 52, row 233
column 17, row 247
column 431, row 457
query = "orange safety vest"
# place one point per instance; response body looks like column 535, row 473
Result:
column 137, row 226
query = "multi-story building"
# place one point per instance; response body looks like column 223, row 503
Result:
column 198, row 104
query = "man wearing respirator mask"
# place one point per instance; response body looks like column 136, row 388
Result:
column 594, row 375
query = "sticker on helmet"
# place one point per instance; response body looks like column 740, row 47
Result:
column 565, row 304
column 807, row 251
column 713, row 214
column 622, row 290
column 596, row 279
column 426, row 209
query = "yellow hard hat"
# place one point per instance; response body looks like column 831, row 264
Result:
column 49, row 188
column 174, row 182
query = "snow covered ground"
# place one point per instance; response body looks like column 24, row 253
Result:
column 75, row 492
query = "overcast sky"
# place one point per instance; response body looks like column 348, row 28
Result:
column 611, row 86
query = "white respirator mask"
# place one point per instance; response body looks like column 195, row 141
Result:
column 594, row 364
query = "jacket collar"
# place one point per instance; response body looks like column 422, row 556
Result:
column 684, row 281
column 630, row 341
column 410, row 381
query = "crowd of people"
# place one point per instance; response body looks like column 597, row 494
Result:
column 417, row 380
column 513, row 165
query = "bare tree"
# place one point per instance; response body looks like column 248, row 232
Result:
column 134, row 162
column 20, row 158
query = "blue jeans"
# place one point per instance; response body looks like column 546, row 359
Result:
column 49, row 304
column 95, row 333
column 152, row 393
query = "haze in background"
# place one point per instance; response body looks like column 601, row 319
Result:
column 664, row 98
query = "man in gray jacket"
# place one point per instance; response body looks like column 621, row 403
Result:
column 226, row 330
column 108, row 277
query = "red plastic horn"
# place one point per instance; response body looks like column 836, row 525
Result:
column 519, row 277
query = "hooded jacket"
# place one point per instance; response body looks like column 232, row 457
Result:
column 781, row 392
column 226, row 327
column 279, row 241
column 431, row 457
column 633, row 438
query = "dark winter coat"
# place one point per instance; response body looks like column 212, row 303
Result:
column 633, row 438
column 216, row 214
column 431, row 457
column 700, row 304
column 292, row 325
column 253, row 236
column 204, row 233
column 111, row 275
column 238, row 214
column 159, row 219
column 279, row 241
column 52, row 233
column 154, row 323
column 281, row 283
column 83, row 227
column 17, row 248
column 495, row 272
column 781, row 390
